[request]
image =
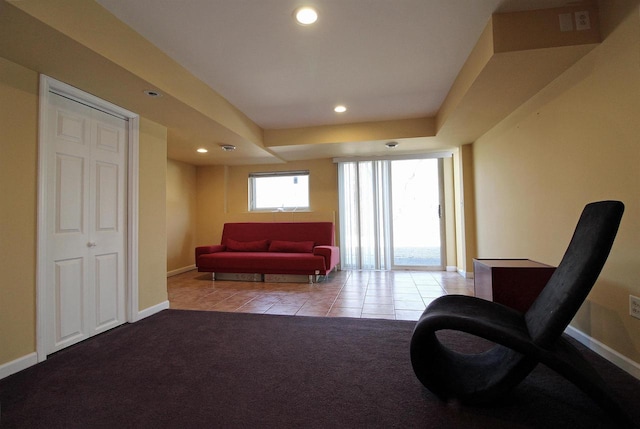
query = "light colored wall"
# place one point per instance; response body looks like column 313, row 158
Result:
column 223, row 194
column 152, row 236
column 576, row 141
column 181, row 214
column 211, row 191
column 18, row 163
column 18, row 187
column 464, row 206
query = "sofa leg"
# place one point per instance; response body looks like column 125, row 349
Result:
column 313, row 278
column 213, row 276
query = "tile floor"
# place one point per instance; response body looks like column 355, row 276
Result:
column 400, row 295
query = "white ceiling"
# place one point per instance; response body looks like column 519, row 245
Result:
column 383, row 59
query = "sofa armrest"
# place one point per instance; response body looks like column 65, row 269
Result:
column 331, row 255
column 202, row 250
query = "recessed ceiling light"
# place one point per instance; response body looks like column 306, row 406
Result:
column 227, row 147
column 202, row 150
column 340, row 109
column 305, row 15
column 152, row 93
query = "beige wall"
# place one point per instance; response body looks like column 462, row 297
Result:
column 181, row 215
column 18, row 166
column 576, row 141
column 464, row 206
column 223, row 192
column 152, row 231
column 18, row 186
column 211, row 191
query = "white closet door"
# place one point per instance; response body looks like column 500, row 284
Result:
column 86, row 225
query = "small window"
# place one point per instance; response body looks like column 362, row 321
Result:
column 280, row 190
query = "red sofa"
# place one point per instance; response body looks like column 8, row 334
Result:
column 299, row 248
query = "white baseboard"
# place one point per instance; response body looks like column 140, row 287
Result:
column 17, row 365
column 605, row 351
column 180, row 270
column 150, row 311
column 451, row 268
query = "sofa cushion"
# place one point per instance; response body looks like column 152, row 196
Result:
column 247, row 246
column 262, row 262
column 321, row 233
column 291, row 246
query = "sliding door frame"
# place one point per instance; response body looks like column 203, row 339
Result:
column 441, row 226
column 440, row 156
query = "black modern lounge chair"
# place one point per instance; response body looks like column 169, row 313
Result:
column 521, row 341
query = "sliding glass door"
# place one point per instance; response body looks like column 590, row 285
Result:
column 390, row 214
column 415, row 208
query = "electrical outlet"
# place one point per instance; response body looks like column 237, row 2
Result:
column 634, row 306
column 582, row 20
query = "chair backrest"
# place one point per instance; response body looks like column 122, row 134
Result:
column 578, row 271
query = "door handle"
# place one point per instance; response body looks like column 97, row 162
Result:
column 91, row 244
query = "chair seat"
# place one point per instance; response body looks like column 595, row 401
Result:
column 475, row 316
column 471, row 378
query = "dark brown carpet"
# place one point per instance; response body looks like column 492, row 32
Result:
column 190, row 369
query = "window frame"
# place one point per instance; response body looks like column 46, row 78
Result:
column 266, row 174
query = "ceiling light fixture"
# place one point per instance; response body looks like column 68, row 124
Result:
column 340, row 109
column 227, row 147
column 305, row 15
column 391, row 145
column 202, row 150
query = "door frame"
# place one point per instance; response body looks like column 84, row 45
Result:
column 48, row 84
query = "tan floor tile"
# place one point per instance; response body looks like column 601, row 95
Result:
column 427, row 282
column 245, row 309
column 179, row 306
column 407, row 296
column 348, row 303
column 406, row 289
column 255, row 307
column 283, row 309
column 375, row 299
column 409, row 305
column 378, row 316
column 344, row 312
column 312, row 311
column 408, row 315
column 321, row 305
column 349, row 294
column 380, row 292
column 377, row 309
column 266, row 299
column 365, row 294
column 293, row 301
column 322, row 298
column 458, row 291
column 225, row 306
